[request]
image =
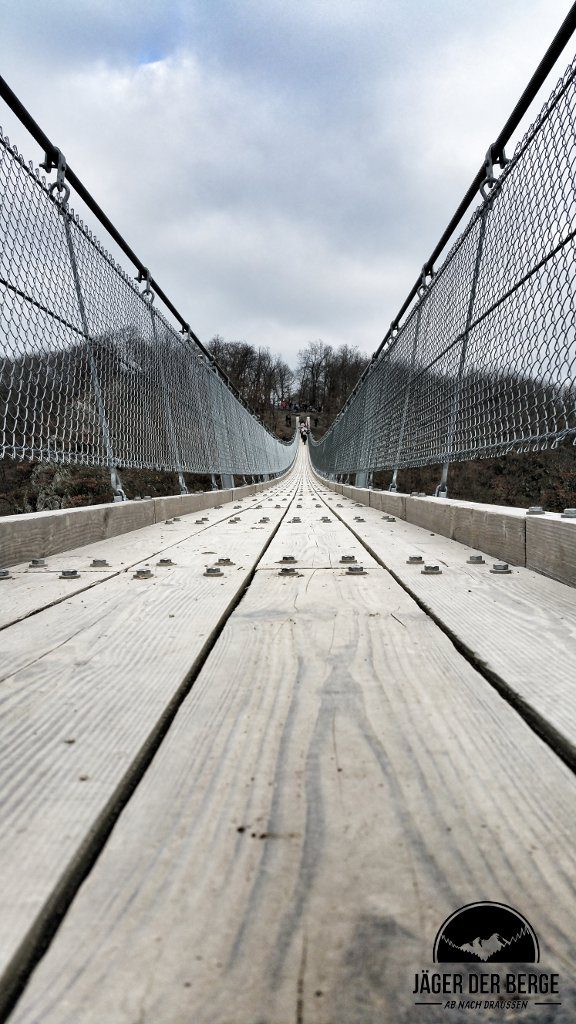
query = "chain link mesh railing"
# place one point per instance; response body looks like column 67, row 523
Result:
column 90, row 371
column 485, row 361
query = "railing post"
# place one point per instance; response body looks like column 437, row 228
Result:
column 442, row 488
column 165, row 397
column 361, row 479
column 394, row 481
column 64, row 192
column 227, row 481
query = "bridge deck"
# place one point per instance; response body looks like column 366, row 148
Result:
column 255, row 798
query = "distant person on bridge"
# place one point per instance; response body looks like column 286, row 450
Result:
column 304, row 433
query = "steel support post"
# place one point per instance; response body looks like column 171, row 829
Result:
column 116, row 483
column 442, row 488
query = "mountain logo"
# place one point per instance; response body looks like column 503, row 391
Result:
column 482, row 932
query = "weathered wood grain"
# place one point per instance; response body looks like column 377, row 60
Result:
column 551, row 547
column 338, row 781
column 521, row 627
column 83, row 705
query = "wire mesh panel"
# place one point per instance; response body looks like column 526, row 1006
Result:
column 90, row 371
column 485, row 362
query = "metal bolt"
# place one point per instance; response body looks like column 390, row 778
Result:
column 389, row 519
column 98, row 563
column 169, row 522
column 286, row 571
column 500, row 568
column 348, row 558
column 277, row 506
column 325, row 519
column 258, row 506
column 138, row 498
column 237, row 506
column 358, row 519
column 568, row 513
column 5, row 574
column 35, row 563
column 264, row 519
column 431, row 570
column 147, row 497
column 165, row 561
column 217, row 506
column 69, row 574
column 296, row 519
column 177, row 519
column 234, row 520
column 225, row 561
column 476, row 560
column 213, row 570
column 535, row 510
column 356, row 570
column 198, row 522
column 142, row 574
column 339, row 506
column 287, row 558
column 414, row 560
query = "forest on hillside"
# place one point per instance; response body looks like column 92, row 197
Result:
column 318, row 383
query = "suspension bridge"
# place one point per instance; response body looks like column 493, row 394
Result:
column 260, row 742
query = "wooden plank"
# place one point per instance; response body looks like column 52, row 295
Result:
column 496, row 529
column 29, row 590
column 338, row 781
column 521, row 627
column 313, row 543
column 551, row 546
column 77, row 719
column 39, row 534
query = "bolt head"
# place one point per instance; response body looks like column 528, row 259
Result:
column 535, row 510
column 501, row 568
column 5, row 574
column 359, row 519
column 476, row 560
column 165, row 561
column 287, row 571
column 288, row 558
column 568, row 513
column 213, row 570
column 431, row 570
column 142, row 574
column 414, row 560
column 36, row 563
column 225, row 561
column 69, row 574
column 348, row 558
column 98, row 563
column 389, row 519
column 356, row 570
column 169, row 522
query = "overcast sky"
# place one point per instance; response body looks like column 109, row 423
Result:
column 284, row 167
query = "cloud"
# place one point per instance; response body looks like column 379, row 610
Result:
column 283, row 169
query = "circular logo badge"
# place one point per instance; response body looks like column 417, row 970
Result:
column 486, row 932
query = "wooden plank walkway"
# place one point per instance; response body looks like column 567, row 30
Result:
column 280, row 841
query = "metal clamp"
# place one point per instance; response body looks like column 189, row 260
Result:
column 425, row 280
column 490, row 161
column 57, row 161
column 147, row 293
